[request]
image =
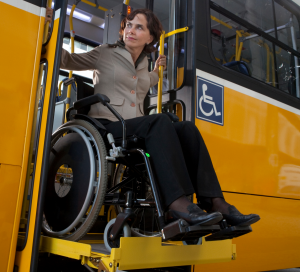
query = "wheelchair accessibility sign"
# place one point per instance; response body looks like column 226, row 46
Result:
column 210, row 101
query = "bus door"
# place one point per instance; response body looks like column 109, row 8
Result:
column 176, row 86
column 30, row 63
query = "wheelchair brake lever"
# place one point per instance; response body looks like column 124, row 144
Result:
column 115, row 152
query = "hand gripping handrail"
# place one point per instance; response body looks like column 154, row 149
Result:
column 161, row 69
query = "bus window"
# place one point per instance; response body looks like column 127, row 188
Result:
column 237, row 41
column 284, row 21
column 285, row 70
column 172, row 14
column 38, row 109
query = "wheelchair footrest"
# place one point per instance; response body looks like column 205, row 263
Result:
column 229, row 233
column 180, row 230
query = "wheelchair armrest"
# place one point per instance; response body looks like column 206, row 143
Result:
column 174, row 118
column 96, row 98
column 91, row 100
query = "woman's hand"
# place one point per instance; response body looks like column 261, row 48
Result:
column 161, row 61
column 49, row 15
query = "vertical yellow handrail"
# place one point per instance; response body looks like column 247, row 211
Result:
column 160, row 73
column 46, row 27
column 72, row 34
column 268, row 62
column 238, row 45
column 161, row 69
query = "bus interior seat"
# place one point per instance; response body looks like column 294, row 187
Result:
column 239, row 66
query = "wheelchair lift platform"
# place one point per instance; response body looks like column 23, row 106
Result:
column 140, row 253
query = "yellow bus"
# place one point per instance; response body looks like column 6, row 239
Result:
column 233, row 69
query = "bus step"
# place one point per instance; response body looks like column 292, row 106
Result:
column 229, row 233
column 180, row 230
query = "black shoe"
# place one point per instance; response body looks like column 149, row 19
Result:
column 235, row 218
column 196, row 216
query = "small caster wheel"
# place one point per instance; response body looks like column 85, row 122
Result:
column 193, row 242
column 116, row 243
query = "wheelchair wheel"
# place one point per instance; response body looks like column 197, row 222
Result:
column 114, row 244
column 77, row 180
column 146, row 224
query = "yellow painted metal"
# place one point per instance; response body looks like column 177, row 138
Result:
column 59, row 88
column 16, row 116
column 179, row 30
column 23, row 258
column 220, row 22
column 161, row 70
column 160, row 73
column 238, row 45
column 273, row 69
column 143, row 252
column 148, row 252
column 255, row 129
column 65, row 248
column 126, row 2
column 274, row 242
column 10, row 178
column 93, row 5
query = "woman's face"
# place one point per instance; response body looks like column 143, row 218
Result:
column 136, row 34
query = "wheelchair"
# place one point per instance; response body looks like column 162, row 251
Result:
column 91, row 172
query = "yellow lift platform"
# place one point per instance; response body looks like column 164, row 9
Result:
column 140, row 252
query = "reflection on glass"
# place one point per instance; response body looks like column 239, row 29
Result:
column 288, row 26
column 257, row 12
column 288, row 74
column 32, row 156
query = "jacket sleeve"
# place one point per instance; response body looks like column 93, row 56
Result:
column 153, row 78
column 79, row 62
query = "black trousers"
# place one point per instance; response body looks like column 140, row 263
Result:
column 178, row 155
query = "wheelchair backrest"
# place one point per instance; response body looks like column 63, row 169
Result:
column 83, row 90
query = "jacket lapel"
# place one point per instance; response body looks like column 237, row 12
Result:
column 125, row 54
column 142, row 64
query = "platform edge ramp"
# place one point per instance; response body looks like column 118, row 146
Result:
column 65, row 248
column 148, row 252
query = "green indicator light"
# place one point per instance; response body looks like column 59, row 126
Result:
column 148, row 155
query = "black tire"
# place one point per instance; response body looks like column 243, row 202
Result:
column 116, row 244
column 98, row 195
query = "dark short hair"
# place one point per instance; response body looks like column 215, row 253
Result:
column 153, row 24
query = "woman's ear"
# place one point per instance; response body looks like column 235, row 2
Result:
column 150, row 39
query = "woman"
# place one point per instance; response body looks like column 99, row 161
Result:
column 121, row 73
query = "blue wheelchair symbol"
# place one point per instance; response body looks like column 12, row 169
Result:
column 210, row 101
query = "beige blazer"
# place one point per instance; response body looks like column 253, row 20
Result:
column 114, row 75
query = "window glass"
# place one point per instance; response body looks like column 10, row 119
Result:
column 79, row 47
column 35, row 132
column 257, row 12
column 287, row 27
column 288, row 77
column 172, row 14
column 247, row 52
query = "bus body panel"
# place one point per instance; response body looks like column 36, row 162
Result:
column 22, row 27
column 23, row 258
column 256, row 155
column 9, row 185
column 274, row 242
column 257, row 149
